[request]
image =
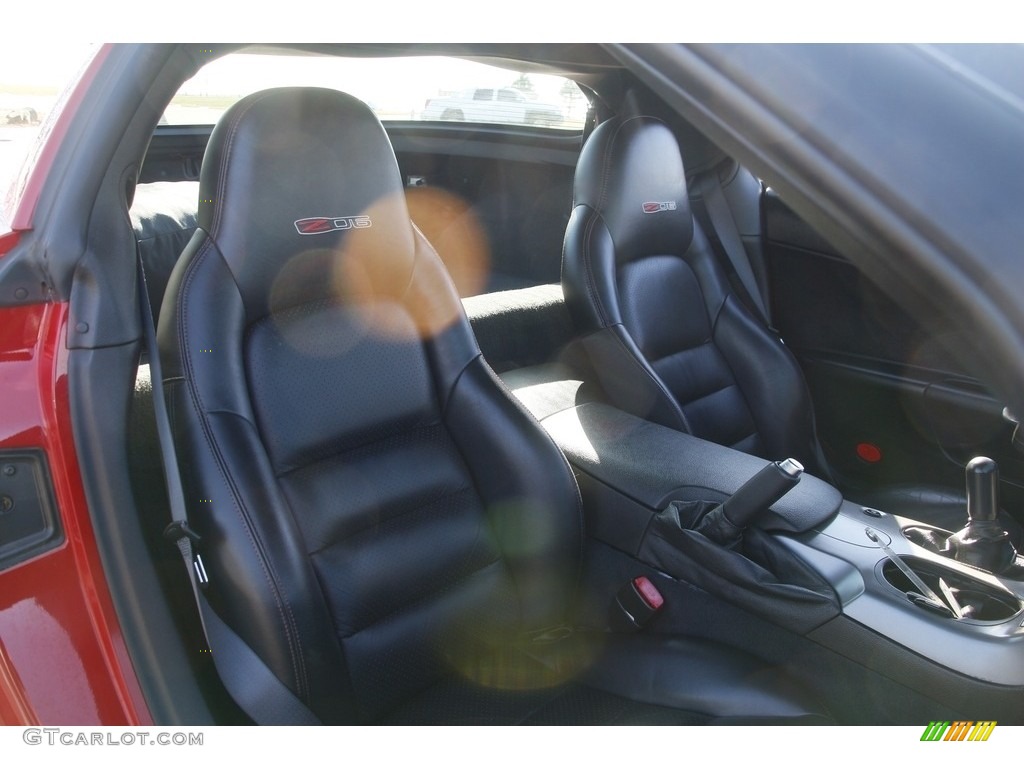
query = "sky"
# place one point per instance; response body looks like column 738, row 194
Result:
column 47, row 62
column 535, row 20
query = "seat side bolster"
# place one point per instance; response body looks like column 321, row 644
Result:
column 772, row 385
column 261, row 581
column 533, row 503
column 588, row 272
column 628, row 379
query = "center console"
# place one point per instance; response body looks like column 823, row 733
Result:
column 986, row 641
column 811, row 557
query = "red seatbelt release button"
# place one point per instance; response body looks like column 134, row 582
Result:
column 648, row 592
column 635, row 605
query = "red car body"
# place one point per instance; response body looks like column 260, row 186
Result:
column 62, row 657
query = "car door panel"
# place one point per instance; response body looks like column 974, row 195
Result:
column 893, row 401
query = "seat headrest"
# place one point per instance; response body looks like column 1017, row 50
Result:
column 631, row 173
column 297, row 184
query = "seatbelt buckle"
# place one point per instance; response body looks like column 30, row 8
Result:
column 635, row 605
column 181, row 535
column 179, row 529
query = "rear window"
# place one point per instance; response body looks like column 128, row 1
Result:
column 415, row 88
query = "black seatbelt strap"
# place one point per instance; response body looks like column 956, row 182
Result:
column 727, row 233
column 250, row 682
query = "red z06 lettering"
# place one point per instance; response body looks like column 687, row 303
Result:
column 318, row 225
column 658, row 207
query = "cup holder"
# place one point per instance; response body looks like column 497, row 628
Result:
column 978, row 601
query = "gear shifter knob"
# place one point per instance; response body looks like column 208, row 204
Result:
column 982, row 542
column 982, row 490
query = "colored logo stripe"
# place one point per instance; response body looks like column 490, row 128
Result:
column 982, row 730
column 935, row 730
column 960, row 730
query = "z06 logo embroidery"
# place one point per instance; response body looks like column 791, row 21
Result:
column 318, row 225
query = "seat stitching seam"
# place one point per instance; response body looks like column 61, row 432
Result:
column 348, row 450
column 678, row 352
column 589, row 269
column 427, row 502
column 712, row 393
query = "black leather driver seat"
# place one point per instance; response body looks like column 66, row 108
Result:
column 666, row 335
column 392, row 534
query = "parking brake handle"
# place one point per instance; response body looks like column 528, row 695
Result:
column 726, row 522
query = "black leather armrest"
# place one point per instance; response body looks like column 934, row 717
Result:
column 653, row 465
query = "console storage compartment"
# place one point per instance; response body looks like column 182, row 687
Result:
column 981, row 598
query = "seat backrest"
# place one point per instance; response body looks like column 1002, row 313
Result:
column 375, row 510
column 667, row 337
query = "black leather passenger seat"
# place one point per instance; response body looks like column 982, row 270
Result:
column 666, row 333
column 667, row 337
